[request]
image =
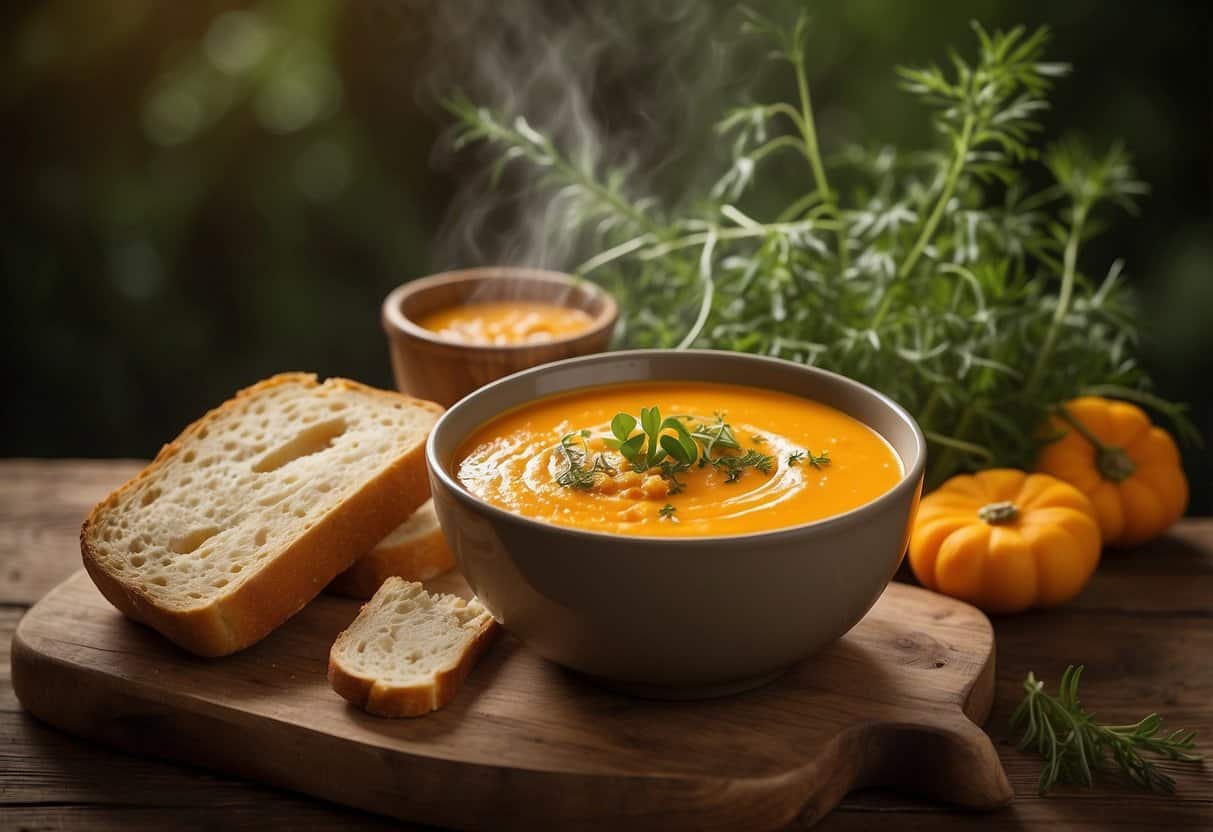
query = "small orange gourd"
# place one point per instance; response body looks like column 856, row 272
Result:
column 1005, row 540
column 1129, row 468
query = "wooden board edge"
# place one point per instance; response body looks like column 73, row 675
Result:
column 977, row 702
column 401, row 786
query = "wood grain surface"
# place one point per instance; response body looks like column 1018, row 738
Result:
column 527, row 745
column 1142, row 628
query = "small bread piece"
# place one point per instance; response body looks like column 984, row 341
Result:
column 416, row 551
column 408, row 651
column 254, row 508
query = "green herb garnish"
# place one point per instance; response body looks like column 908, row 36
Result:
column 934, row 275
column 734, row 466
column 675, row 453
column 713, row 434
column 670, row 470
column 576, row 473
column 1075, row 746
column 651, row 446
column 667, row 512
column 818, row 461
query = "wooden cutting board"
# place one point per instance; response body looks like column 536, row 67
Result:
column 526, row 744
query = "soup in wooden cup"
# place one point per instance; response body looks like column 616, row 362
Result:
column 451, row 333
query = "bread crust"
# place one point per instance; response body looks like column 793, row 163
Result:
column 279, row 589
column 421, row 559
column 385, row 700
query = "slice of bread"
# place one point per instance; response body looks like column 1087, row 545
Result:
column 416, row 551
column 254, row 508
column 408, row 651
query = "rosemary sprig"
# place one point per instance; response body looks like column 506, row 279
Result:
column 934, row 275
column 1075, row 746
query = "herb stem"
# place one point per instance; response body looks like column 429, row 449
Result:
column 540, row 150
column 952, row 444
column 1082, row 429
column 928, row 410
column 705, row 306
column 949, row 187
column 592, row 186
column 799, row 207
column 775, row 144
column 761, row 230
column 808, row 130
column 1068, row 276
column 928, row 229
column 1175, row 412
column 614, row 253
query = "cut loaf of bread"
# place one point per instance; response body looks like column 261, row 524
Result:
column 408, row 651
column 254, row 508
column 415, row 550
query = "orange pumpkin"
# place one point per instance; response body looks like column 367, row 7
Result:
column 1129, row 468
column 1005, row 541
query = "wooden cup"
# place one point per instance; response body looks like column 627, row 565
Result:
column 431, row 367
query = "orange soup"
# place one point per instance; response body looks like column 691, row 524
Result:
column 728, row 460
column 501, row 323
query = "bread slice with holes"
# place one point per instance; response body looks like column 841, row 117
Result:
column 408, row 651
column 254, row 508
column 416, row 550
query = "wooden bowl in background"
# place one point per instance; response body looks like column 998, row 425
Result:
column 442, row 370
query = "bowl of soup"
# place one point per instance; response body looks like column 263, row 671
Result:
column 677, row 523
column 451, row 333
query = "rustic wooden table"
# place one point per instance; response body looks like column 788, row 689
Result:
column 1144, row 628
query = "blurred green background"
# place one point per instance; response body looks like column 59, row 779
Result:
column 201, row 194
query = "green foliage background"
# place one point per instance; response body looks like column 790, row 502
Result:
column 196, row 199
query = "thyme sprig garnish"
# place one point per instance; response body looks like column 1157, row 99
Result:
column 715, row 433
column 817, row 461
column 734, row 466
column 1075, row 746
column 935, row 276
column 577, row 474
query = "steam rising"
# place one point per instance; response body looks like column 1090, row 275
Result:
column 614, row 85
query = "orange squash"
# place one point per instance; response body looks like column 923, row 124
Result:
column 1129, row 468
column 1005, row 541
